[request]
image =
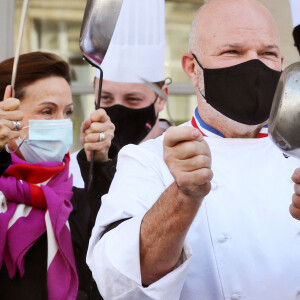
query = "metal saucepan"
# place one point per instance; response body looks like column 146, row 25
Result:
column 99, row 21
column 284, row 122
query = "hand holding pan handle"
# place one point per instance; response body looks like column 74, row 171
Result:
column 99, row 21
column 16, row 123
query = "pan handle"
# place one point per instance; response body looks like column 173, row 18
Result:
column 97, row 107
column 19, row 42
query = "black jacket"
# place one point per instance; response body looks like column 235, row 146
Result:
column 103, row 175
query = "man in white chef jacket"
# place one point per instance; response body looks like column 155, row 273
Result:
column 205, row 208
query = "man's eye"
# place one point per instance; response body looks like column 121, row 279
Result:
column 133, row 99
column 270, row 54
column 105, row 98
column 231, row 52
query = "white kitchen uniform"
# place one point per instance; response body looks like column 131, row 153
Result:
column 75, row 170
column 243, row 243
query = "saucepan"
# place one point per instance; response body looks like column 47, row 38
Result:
column 284, row 122
column 99, row 21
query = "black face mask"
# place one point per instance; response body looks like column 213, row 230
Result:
column 243, row 93
column 132, row 125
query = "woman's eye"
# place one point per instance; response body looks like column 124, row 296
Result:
column 69, row 113
column 46, row 111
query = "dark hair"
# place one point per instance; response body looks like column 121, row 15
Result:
column 32, row 67
column 160, row 83
column 296, row 35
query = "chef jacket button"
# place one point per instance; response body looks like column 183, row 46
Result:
column 236, row 297
column 223, row 238
column 214, row 185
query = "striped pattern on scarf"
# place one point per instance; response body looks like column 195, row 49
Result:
column 34, row 199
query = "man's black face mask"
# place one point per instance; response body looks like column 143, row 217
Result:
column 131, row 125
column 243, row 93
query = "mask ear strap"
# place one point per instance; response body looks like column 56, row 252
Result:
column 13, row 151
column 202, row 70
column 197, row 61
column 154, row 104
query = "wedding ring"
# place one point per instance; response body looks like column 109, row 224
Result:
column 16, row 125
column 101, row 136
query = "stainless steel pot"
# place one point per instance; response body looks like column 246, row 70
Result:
column 99, row 21
column 284, row 122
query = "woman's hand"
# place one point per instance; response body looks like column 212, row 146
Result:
column 10, row 118
column 96, row 134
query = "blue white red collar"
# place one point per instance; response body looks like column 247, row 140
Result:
column 209, row 131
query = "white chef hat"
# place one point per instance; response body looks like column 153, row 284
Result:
column 137, row 48
column 295, row 10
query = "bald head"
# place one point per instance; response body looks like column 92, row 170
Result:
column 219, row 17
column 227, row 33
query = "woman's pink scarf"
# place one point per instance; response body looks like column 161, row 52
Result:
column 36, row 198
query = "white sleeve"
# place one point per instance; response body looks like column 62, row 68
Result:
column 114, row 260
column 75, row 170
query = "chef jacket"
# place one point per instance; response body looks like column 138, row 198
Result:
column 242, row 244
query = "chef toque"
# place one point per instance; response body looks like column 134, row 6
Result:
column 137, row 48
column 295, row 10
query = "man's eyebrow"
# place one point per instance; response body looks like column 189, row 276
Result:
column 272, row 47
column 234, row 45
column 135, row 94
column 240, row 45
column 106, row 92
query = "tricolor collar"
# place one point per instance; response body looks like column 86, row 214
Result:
column 209, row 131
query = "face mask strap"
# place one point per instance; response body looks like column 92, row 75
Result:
column 197, row 61
column 202, row 70
column 155, row 99
column 154, row 104
column 13, row 151
column 168, row 81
